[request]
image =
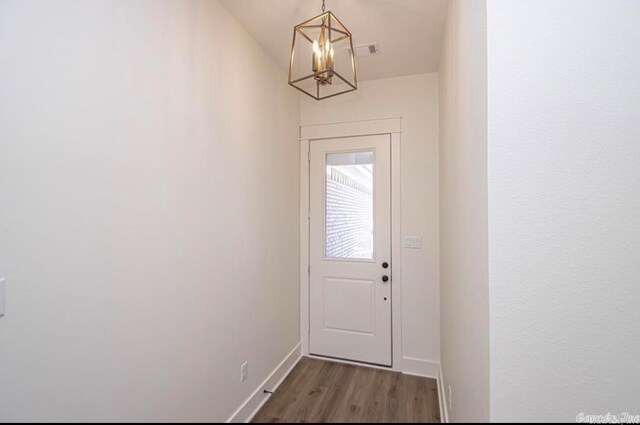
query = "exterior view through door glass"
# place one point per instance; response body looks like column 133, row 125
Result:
column 350, row 249
column 349, row 205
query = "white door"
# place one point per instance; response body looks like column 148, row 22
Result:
column 350, row 249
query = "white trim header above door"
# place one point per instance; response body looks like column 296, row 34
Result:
column 351, row 129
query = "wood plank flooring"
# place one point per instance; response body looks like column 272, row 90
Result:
column 320, row 391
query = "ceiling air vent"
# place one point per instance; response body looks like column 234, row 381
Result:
column 370, row 49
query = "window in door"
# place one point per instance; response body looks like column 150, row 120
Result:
column 349, row 205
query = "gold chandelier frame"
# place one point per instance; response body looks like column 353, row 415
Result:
column 328, row 21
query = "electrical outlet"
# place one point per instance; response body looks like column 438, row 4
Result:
column 450, row 393
column 244, row 372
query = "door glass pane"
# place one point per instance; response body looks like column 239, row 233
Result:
column 349, row 205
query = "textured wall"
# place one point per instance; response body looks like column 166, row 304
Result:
column 564, row 208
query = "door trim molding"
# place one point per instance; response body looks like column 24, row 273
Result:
column 308, row 133
column 338, row 130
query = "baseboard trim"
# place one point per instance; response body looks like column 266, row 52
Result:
column 420, row 367
column 349, row 362
column 442, row 397
column 254, row 403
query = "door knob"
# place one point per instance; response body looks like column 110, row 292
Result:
column 385, row 265
column 385, row 278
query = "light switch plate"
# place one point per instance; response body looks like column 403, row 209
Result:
column 413, row 242
column 2, row 295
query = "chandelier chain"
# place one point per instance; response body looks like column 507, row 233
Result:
column 323, row 6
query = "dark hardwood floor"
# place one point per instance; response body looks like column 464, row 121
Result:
column 319, row 391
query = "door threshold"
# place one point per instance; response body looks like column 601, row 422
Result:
column 350, row 362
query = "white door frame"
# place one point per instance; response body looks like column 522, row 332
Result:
column 382, row 126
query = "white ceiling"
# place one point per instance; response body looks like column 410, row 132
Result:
column 409, row 31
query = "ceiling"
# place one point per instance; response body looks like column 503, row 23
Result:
column 409, row 32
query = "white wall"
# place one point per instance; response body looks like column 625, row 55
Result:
column 149, row 211
column 415, row 98
column 464, row 297
column 564, row 208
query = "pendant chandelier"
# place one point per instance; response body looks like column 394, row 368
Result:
column 322, row 57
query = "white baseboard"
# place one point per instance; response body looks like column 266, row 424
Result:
column 254, row 403
column 429, row 369
column 442, row 397
column 420, row 367
column 350, row 362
